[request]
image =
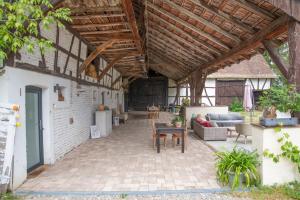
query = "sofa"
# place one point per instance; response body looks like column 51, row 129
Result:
column 210, row 133
column 225, row 120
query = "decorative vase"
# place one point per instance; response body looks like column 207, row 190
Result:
column 101, row 107
column 281, row 115
column 178, row 124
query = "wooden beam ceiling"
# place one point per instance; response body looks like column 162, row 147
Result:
column 276, row 28
column 188, row 25
column 203, row 21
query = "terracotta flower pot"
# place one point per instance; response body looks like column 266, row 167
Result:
column 101, row 107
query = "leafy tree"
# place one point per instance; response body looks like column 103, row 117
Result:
column 19, row 24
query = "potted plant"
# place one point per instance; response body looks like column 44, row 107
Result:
column 101, row 107
column 283, row 98
column 237, row 168
column 177, row 121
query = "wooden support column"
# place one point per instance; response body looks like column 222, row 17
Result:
column 94, row 54
column 294, row 53
column 176, row 100
column 192, row 89
column 200, row 83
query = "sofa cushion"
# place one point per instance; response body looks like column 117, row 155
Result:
column 211, row 116
column 213, row 124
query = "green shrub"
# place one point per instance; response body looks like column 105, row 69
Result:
column 235, row 164
column 236, row 106
column 283, row 97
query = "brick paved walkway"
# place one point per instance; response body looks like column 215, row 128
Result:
column 126, row 161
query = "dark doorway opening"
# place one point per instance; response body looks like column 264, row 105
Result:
column 148, row 92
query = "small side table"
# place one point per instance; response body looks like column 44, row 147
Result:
column 230, row 130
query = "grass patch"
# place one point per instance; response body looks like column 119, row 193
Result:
column 8, row 196
column 280, row 192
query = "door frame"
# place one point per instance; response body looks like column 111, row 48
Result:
column 39, row 91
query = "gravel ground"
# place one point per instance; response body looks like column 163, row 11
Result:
column 201, row 196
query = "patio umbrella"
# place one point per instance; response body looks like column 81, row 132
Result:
column 248, row 103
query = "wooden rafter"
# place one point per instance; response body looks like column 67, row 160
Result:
column 189, row 36
column 97, row 15
column 203, row 21
column 116, row 80
column 254, row 8
column 104, row 32
column 94, row 54
column 129, row 11
column 188, row 25
column 96, row 9
column 187, row 45
column 99, row 25
column 236, row 22
column 111, row 64
column 274, row 29
column 183, row 64
column 168, row 47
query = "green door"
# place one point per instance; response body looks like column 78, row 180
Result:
column 34, row 130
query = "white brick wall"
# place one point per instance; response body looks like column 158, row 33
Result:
column 61, row 136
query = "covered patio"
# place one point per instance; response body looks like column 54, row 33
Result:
column 125, row 161
column 108, row 47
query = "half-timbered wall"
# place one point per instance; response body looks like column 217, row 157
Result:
column 66, row 123
column 209, row 91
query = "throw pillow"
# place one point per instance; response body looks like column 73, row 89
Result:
column 206, row 124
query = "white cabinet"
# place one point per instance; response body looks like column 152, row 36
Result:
column 104, row 122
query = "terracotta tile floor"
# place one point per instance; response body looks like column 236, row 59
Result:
column 126, row 161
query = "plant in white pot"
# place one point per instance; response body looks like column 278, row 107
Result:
column 283, row 98
column 238, row 168
column 177, row 121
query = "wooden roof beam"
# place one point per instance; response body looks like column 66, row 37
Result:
column 96, row 9
column 103, row 32
column 97, row 15
column 273, row 30
column 182, row 54
column 121, row 23
column 111, row 64
column 168, row 35
column 203, row 21
column 183, row 61
column 172, row 62
column 129, row 11
column 254, row 8
column 116, row 80
column 188, row 25
column 191, row 37
column 94, row 54
column 236, row 22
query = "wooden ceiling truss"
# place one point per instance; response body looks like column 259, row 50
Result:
column 178, row 38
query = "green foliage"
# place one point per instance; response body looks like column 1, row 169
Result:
column 288, row 150
column 236, row 106
column 237, row 163
column 286, row 191
column 177, row 119
column 284, row 97
column 19, row 24
column 185, row 102
column 8, row 196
